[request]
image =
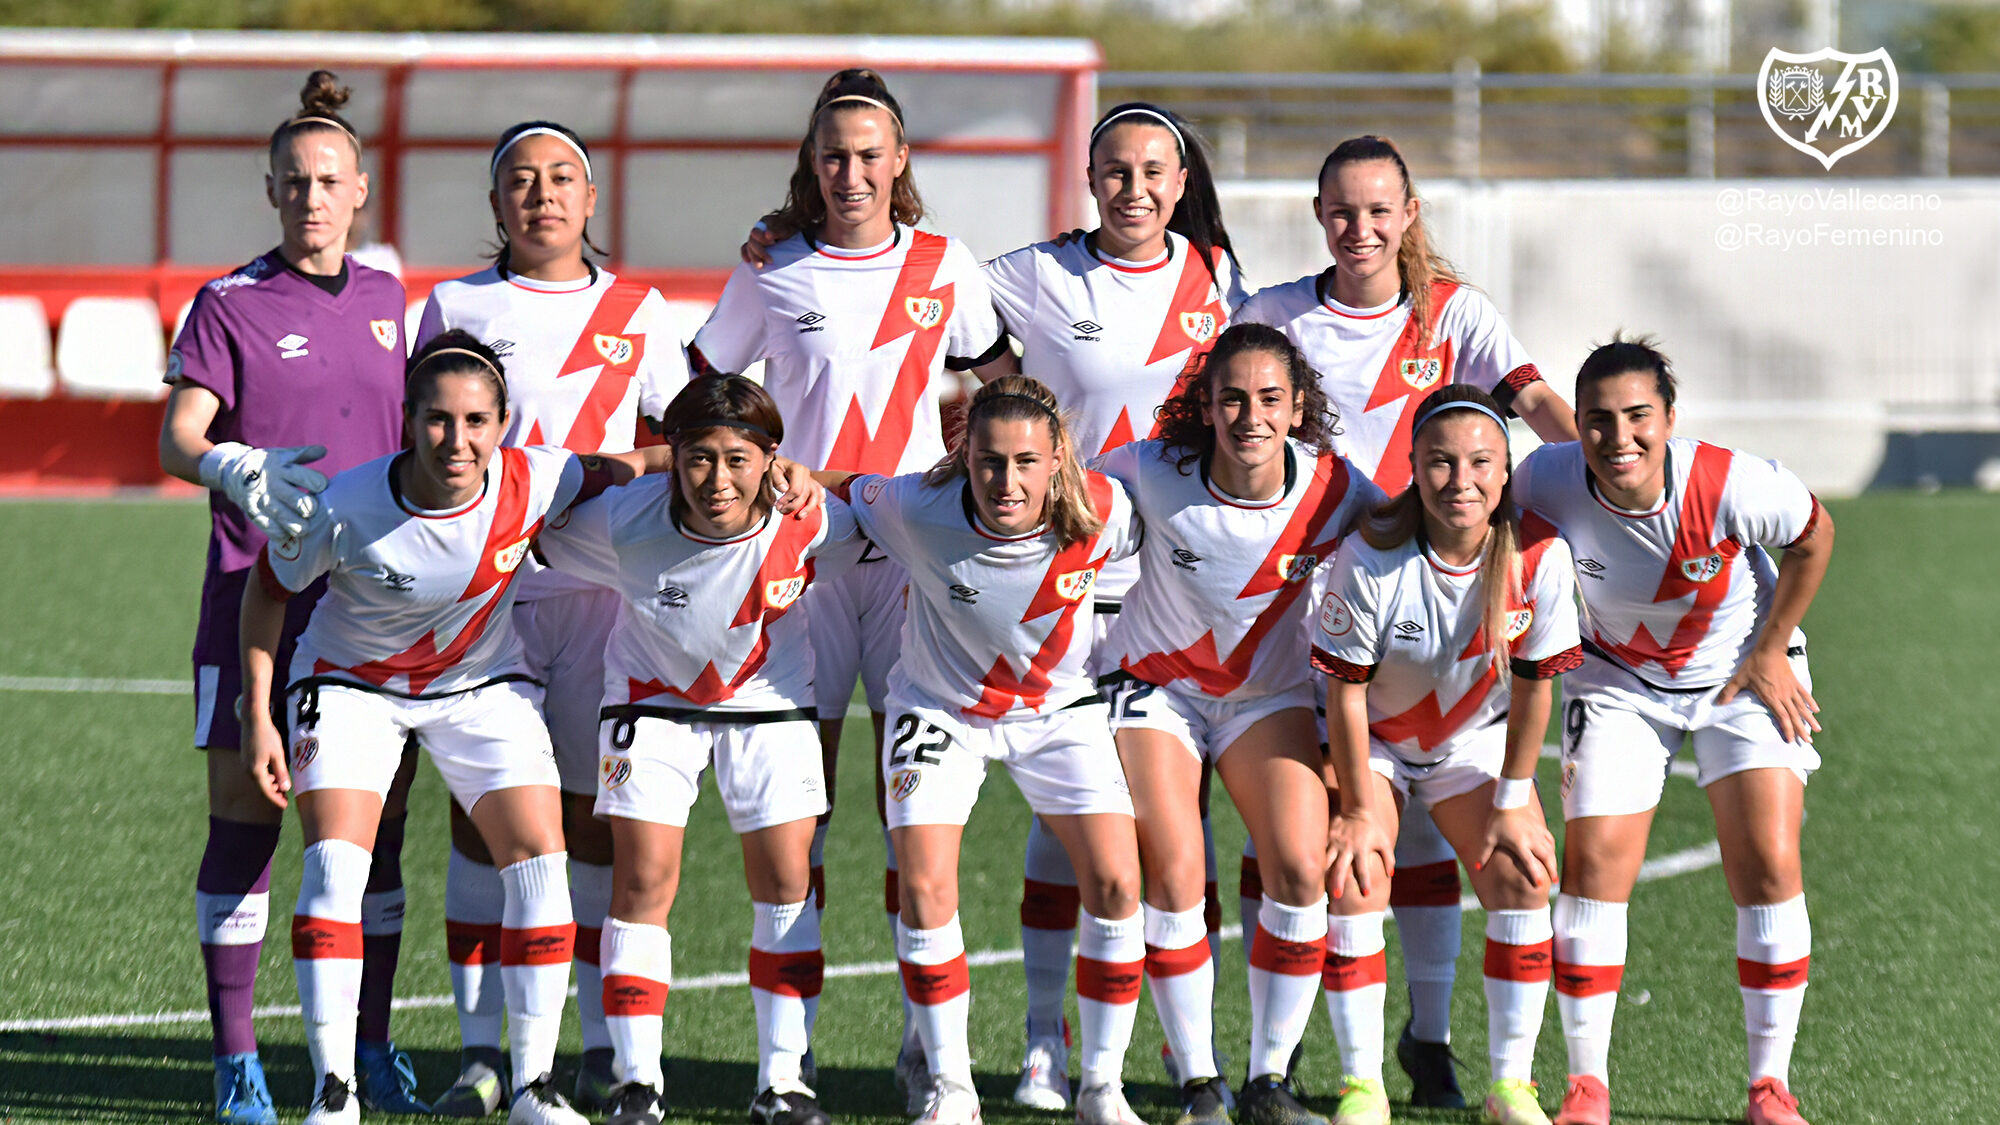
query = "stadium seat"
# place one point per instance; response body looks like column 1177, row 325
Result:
column 112, row 347
column 24, row 349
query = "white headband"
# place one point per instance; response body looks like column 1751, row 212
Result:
column 1180, row 142
column 493, row 173
column 864, row 99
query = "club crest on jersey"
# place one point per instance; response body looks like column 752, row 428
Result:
column 927, row 312
column 1291, row 568
column 614, row 349
column 1199, row 326
column 904, row 783
column 1335, row 619
column 615, row 771
column 872, row 489
column 1518, row 622
column 304, row 751
column 1422, row 374
column 1702, row 569
column 784, row 591
column 1075, row 584
column 507, row 558
column 385, row 333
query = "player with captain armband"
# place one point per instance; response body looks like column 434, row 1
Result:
column 1388, row 323
column 1689, row 634
column 1242, row 497
column 287, row 369
column 1003, row 541
column 708, row 664
column 1447, row 617
column 414, row 638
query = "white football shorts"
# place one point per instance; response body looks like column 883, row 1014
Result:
column 767, row 766
column 1207, row 726
column 934, row 760
column 482, row 740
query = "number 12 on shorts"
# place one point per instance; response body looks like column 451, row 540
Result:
column 917, row 741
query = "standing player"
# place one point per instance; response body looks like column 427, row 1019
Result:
column 1003, row 541
column 705, row 663
column 413, row 638
column 587, row 355
column 1688, row 634
column 1242, row 496
column 1388, row 323
column 856, row 315
column 299, row 346
column 1446, row 620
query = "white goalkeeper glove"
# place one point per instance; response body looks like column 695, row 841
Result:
column 272, row 486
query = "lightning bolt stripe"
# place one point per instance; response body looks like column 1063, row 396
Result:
column 1001, row 689
column 1194, row 292
column 1694, row 539
column 855, row 449
column 1392, row 472
column 610, row 318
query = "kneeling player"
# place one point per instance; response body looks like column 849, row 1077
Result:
column 1445, row 621
column 707, row 664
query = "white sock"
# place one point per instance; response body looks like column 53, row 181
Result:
column 1182, row 976
column 638, row 963
column 590, row 901
column 1286, row 955
column 1049, row 909
column 1355, row 982
column 1110, row 963
column 786, row 972
column 1773, row 952
column 1590, row 965
column 537, row 938
column 1519, row 962
column 326, row 952
column 938, row 983
column 473, row 901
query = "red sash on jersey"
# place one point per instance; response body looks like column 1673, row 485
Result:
column 1001, row 687
column 1406, row 375
column 1305, row 534
column 1194, row 316
column 606, row 345
column 854, row 448
column 1699, row 507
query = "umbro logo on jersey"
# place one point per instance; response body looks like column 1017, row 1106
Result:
column 810, row 322
column 673, row 597
column 385, row 333
column 1422, row 374
column 1702, row 569
column 500, row 347
column 292, row 346
column 614, row 349
column 1291, row 568
column 1199, row 326
column 965, row 594
column 1185, row 559
column 1409, row 631
column 1591, row 568
column 397, row 581
column 1087, row 330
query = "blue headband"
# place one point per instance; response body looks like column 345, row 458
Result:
column 1458, row 404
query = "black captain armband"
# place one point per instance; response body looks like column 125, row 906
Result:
column 1812, row 525
column 1568, row 660
column 959, row 363
column 1513, row 383
column 1341, row 669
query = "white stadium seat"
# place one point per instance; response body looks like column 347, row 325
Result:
column 112, row 347
column 24, row 349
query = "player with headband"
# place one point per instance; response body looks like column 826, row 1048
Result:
column 588, row 355
column 1690, row 634
column 708, row 662
column 1447, row 617
column 1388, row 323
column 296, row 357
column 1003, row 540
column 856, row 317
column 1208, row 664
column 420, row 549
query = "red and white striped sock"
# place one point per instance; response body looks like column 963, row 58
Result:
column 1424, row 899
column 1773, row 952
column 938, row 983
column 1049, row 908
column 1110, row 963
column 326, row 952
column 1590, row 965
column 1249, row 897
column 537, row 942
column 1286, row 954
column 638, row 963
column 1182, row 976
column 1355, row 980
column 589, row 902
column 473, row 902
column 1519, row 961
column 787, row 970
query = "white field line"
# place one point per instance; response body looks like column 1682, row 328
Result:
column 95, row 687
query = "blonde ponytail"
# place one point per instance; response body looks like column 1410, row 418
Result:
column 1017, row 398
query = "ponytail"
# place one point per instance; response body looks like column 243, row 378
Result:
column 1419, row 266
column 1018, row 398
column 854, row 88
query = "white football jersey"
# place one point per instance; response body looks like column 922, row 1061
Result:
column 993, row 621
column 851, row 340
column 1221, row 606
column 1411, row 627
column 584, row 360
column 1376, row 373
column 705, row 623
column 1675, row 595
column 417, row 602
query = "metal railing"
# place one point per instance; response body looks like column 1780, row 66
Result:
column 1472, row 125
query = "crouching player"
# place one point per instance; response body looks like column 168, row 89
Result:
column 413, row 638
column 709, row 662
column 1446, row 620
